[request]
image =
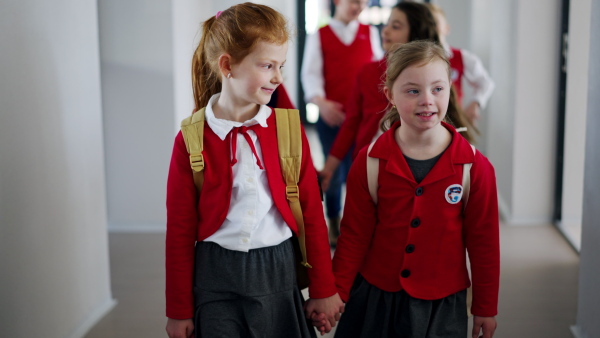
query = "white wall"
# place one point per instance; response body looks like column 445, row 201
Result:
column 536, row 85
column 136, row 54
column 53, row 241
column 588, row 310
column 576, row 108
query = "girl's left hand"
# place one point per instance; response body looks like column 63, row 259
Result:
column 486, row 325
column 331, row 307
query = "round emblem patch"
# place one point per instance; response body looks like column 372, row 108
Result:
column 454, row 193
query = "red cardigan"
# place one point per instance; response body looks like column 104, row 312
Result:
column 190, row 219
column 413, row 239
column 364, row 110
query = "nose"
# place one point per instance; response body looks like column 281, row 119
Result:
column 427, row 99
column 277, row 77
column 384, row 31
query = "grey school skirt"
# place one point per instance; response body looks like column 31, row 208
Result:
column 372, row 312
column 248, row 294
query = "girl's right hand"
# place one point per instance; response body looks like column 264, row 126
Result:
column 180, row 328
column 331, row 165
column 330, row 111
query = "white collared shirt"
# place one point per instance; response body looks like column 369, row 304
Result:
column 253, row 220
column 476, row 75
column 311, row 75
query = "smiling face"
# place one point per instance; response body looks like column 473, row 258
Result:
column 257, row 76
column 396, row 31
column 421, row 94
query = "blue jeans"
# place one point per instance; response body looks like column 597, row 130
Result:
column 333, row 196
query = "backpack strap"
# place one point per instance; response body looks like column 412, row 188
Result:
column 372, row 174
column 466, row 180
column 289, row 140
column 192, row 129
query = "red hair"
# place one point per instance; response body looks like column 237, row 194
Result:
column 236, row 32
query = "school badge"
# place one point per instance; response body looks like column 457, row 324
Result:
column 454, row 193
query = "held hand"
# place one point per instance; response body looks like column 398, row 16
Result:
column 472, row 112
column 180, row 328
column 332, row 307
column 321, row 323
column 486, row 325
column 330, row 111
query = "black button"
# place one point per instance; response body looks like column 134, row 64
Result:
column 419, row 191
column 415, row 222
column 405, row 273
column 410, row 248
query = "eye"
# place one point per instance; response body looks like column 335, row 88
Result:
column 438, row 89
column 281, row 67
column 268, row 66
column 412, row 91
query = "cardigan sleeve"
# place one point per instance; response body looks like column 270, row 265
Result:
column 482, row 237
column 182, row 222
column 356, row 229
column 322, row 283
column 346, row 136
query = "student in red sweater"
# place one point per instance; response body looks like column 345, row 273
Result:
column 229, row 256
column 401, row 263
column 408, row 21
column 332, row 58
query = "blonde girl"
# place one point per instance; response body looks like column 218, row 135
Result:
column 401, row 262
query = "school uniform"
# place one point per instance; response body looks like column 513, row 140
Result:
column 231, row 245
column 466, row 65
column 332, row 58
column 364, row 110
column 413, row 240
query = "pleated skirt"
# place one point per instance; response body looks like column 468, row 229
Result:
column 372, row 312
column 248, row 294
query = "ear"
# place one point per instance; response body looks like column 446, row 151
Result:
column 225, row 64
column 388, row 94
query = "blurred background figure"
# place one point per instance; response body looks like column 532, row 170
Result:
column 332, row 58
column 465, row 65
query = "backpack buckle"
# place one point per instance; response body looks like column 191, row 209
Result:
column 292, row 192
column 197, row 162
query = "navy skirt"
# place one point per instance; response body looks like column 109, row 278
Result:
column 372, row 312
column 248, row 294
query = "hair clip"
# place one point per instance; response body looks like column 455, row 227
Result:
column 218, row 14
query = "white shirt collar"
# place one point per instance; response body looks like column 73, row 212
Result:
column 338, row 24
column 223, row 127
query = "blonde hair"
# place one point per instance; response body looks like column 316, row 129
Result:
column 235, row 31
column 419, row 52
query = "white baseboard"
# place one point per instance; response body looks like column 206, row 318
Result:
column 509, row 219
column 577, row 332
column 94, row 318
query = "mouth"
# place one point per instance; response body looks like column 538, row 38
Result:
column 426, row 114
column 268, row 90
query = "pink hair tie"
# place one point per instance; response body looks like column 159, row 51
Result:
column 217, row 15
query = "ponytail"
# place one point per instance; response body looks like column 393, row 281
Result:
column 455, row 116
column 205, row 80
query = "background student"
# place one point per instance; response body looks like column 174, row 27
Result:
column 408, row 21
column 465, row 65
column 332, row 58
